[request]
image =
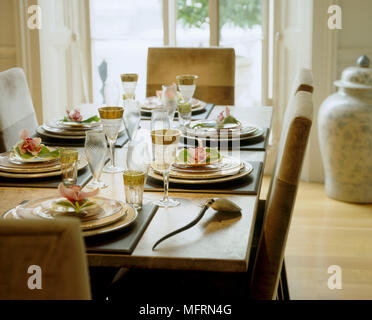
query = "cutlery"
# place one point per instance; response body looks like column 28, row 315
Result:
column 219, row 204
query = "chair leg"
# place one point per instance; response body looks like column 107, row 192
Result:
column 283, row 291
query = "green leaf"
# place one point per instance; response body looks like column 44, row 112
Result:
column 65, row 204
column 205, row 125
column 182, row 156
column 230, row 119
column 91, row 119
column 213, row 154
column 46, row 153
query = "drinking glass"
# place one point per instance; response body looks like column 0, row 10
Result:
column 165, row 144
column 138, row 164
column 159, row 120
column 132, row 117
column 169, row 100
column 134, row 184
column 95, row 151
column 112, row 118
column 186, row 85
column 69, row 166
column 129, row 84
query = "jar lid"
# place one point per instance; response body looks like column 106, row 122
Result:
column 359, row 77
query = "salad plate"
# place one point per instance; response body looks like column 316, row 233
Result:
column 197, row 157
column 114, row 221
column 244, row 171
column 47, row 154
column 229, row 166
column 30, row 173
column 213, row 125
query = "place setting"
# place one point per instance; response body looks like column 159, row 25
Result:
column 31, row 163
column 71, row 130
column 195, row 169
column 187, row 106
column 226, row 132
column 98, row 215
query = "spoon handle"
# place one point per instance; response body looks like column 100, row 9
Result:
column 188, row 226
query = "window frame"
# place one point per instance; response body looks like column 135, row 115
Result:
column 170, row 38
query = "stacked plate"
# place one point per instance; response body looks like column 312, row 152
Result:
column 153, row 103
column 68, row 130
column 106, row 215
column 227, row 169
column 12, row 166
column 209, row 130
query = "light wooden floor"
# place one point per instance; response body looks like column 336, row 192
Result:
column 327, row 232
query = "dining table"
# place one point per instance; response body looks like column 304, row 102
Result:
column 219, row 242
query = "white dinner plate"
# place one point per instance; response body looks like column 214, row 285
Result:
column 246, row 170
column 81, row 165
column 15, row 157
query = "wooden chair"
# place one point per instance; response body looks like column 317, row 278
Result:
column 266, row 273
column 56, row 246
column 16, row 108
column 215, row 68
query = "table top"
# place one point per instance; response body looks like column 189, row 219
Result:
column 219, row 242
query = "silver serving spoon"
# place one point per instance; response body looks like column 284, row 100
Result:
column 217, row 204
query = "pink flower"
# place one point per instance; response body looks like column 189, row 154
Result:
column 74, row 193
column 197, row 155
column 75, row 115
column 158, row 93
column 170, row 92
column 220, row 117
column 227, row 112
column 30, row 145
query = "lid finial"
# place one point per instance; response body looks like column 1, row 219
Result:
column 363, row 61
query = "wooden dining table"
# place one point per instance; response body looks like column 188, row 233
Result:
column 219, row 242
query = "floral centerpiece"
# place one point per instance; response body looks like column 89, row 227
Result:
column 29, row 148
column 76, row 116
column 76, row 200
column 224, row 117
column 199, row 155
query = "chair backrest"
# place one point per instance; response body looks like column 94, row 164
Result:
column 16, row 108
column 303, row 82
column 215, row 68
column 54, row 246
column 281, row 198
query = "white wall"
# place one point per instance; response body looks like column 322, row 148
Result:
column 8, row 57
column 355, row 38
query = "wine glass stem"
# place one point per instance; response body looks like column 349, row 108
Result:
column 166, row 185
column 112, row 152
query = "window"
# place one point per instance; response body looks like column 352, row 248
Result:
column 122, row 30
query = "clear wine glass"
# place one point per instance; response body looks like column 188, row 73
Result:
column 129, row 84
column 112, row 119
column 165, row 143
column 169, row 100
column 96, row 151
column 186, row 85
column 132, row 117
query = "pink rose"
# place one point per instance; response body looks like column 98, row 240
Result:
column 227, row 112
column 74, row 193
column 220, row 117
column 197, row 155
column 75, row 115
column 170, row 92
column 30, row 145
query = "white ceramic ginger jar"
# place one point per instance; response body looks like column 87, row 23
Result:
column 345, row 136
